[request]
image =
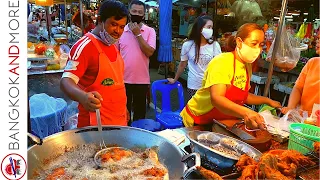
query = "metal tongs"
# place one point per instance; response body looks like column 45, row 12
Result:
column 103, row 147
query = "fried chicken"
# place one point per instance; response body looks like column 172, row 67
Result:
column 268, row 168
column 249, row 172
column 208, row 174
column 244, row 161
column 286, row 161
column 316, row 146
column 274, row 164
column 266, row 172
column 292, row 156
column 288, row 169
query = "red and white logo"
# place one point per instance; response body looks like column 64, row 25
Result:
column 13, row 166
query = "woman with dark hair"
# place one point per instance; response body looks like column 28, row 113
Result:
column 226, row 83
column 197, row 52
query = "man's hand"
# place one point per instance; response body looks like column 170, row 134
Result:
column 91, row 101
column 135, row 28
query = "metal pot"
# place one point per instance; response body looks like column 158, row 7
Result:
column 169, row 154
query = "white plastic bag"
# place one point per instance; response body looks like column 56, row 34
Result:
column 292, row 116
column 236, row 7
column 280, row 126
column 287, row 56
column 72, row 122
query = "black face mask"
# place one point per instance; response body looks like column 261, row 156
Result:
column 136, row 18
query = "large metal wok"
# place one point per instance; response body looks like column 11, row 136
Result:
column 169, row 154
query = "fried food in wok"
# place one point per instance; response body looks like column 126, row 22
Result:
column 77, row 163
column 115, row 154
column 207, row 174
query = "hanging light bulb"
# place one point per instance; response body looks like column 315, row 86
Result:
column 44, row 2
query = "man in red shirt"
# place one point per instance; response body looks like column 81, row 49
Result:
column 94, row 72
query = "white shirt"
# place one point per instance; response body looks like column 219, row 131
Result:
column 196, row 71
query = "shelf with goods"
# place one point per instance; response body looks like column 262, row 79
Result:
column 46, row 58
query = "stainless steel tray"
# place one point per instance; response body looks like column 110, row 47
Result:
column 202, row 142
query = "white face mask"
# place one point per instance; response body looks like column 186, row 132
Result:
column 248, row 54
column 107, row 38
column 207, row 33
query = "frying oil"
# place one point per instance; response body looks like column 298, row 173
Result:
column 79, row 164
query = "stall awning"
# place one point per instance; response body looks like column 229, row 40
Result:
column 58, row 1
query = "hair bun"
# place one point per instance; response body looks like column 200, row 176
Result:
column 231, row 44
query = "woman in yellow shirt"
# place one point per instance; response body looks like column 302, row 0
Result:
column 226, row 82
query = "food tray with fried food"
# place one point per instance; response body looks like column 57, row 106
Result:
column 222, row 150
column 274, row 164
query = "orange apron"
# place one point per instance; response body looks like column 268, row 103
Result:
column 233, row 93
column 109, row 84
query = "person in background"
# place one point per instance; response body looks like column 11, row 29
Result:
column 88, row 23
column 226, row 84
column 306, row 91
column 197, row 52
column 43, row 30
column 94, row 72
column 136, row 45
column 69, row 17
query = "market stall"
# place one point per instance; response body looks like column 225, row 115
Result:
column 287, row 148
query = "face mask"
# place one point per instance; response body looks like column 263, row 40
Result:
column 44, row 24
column 136, row 18
column 207, row 33
column 248, row 54
column 107, row 38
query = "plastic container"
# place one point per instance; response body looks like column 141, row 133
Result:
column 302, row 137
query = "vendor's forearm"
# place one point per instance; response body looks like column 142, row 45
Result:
column 295, row 97
column 256, row 100
column 180, row 70
column 228, row 107
column 145, row 47
column 71, row 89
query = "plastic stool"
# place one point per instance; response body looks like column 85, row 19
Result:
column 147, row 124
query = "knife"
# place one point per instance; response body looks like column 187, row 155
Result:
column 236, row 131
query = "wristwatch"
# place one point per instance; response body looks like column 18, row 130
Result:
column 138, row 35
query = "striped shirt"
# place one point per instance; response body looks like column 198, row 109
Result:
column 83, row 61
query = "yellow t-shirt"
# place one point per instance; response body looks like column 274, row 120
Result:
column 220, row 70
